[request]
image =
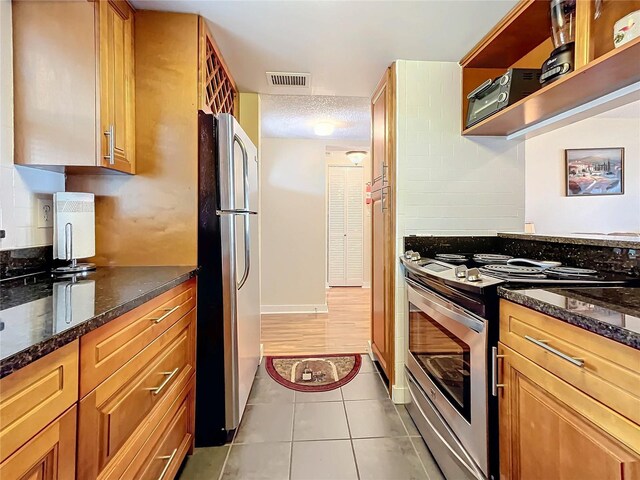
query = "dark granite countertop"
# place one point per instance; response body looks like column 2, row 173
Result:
column 39, row 314
column 613, row 312
column 596, row 240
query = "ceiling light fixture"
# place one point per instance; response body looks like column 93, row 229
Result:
column 356, row 156
column 324, row 129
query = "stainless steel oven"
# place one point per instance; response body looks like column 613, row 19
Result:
column 447, row 380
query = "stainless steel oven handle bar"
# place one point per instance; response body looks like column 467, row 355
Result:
column 469, row 464
column 578, row 362
column 444, row 307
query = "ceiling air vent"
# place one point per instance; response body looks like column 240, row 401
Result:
column 288, row 79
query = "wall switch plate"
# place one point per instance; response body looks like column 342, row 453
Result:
column 45, row 213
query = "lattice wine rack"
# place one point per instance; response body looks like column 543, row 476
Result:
column 219, row 93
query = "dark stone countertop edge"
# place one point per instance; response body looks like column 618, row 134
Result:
column 29, row 355
column 632, row 242
column 604, row 329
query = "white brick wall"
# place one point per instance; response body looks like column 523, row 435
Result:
column 446, row 184
column 19, row 186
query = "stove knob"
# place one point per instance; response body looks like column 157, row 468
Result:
column 461, row 271
column 473, row 275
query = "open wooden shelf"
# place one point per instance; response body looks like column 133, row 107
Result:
column 522, row 40
column 612, row 71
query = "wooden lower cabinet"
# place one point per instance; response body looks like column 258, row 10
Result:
column 137, row 420
column 551, row 430
column 379, row 329
column 50, row 455
column 36, row 395
column 116, row 414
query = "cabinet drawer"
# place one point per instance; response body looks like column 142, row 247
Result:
column 166, row 429
column 604, row 369
column 34, row 396
column 106, row 349
column 171, row 448
column 50, row 455
column 119, row 406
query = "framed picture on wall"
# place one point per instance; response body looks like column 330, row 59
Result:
column 594, row 171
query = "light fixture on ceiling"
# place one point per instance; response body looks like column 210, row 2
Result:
column 356, row 156
column 324, row 129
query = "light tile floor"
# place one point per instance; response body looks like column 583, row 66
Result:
column 355, row 432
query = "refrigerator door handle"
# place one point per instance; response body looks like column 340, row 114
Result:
column 235, row 212
column 247, row 253
column 245, row 169
column 247, row 236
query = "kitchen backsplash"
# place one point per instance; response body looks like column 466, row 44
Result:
column 24, row 261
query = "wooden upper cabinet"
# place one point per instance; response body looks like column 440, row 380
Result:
column 117, row 85
column 74, row 98
column 217, row 90
column 382, row 124
column 522, row 39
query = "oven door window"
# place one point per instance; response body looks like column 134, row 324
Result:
column 443, row 357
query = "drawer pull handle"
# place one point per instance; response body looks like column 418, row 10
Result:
column 578, row 362
column 159, row 388
column 169, row 312
column 169, row 459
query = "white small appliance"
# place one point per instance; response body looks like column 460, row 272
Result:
column 74, row 230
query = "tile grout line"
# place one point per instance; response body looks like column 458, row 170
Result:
column 293, row 427
column 226, row 459
column 353, row 450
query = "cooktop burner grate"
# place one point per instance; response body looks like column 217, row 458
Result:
column 513, row 269
column 571, row 271
column 491, row 258
column 451, row 257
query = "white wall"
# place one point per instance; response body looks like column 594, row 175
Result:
column 546, row 204
column 446, row 184
column 340, row 158
column 293, row 224
column 19, row 186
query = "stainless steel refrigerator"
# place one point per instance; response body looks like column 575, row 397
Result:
column 228, row 347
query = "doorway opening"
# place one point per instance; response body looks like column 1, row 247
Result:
column 316, row 226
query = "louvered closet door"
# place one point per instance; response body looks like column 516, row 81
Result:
column 346, row 194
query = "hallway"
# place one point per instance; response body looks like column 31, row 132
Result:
column 345, row 329
column 354, row 432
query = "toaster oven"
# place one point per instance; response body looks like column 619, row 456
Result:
column 494, row 95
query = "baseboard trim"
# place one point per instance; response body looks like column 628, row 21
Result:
column 272, row 309
column 399, row 394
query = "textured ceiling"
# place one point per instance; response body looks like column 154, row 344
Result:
column 295, row 116
column 345, row 45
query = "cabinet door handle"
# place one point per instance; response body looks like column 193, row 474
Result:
column 494, row 371
column 159, row 388
column 111, row 145
column 169, row 312
column 169, row 459
column 578, row 362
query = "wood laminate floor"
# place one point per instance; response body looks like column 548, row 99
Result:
column 345, row 329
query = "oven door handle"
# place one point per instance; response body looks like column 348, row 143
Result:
column 446, row 308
